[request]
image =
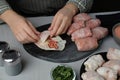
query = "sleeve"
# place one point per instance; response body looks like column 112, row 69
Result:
column 83, row 5
column 4, row 6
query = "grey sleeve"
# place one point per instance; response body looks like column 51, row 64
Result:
column 4, row 6
column 83, row 5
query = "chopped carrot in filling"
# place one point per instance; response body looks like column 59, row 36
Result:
column 52, row 44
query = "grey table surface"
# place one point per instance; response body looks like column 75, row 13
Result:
column 37, row 69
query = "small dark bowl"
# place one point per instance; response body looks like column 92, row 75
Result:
column 74, row 73
column 82, row 69
column 117, row 39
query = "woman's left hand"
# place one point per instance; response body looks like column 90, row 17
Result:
column 62, row 20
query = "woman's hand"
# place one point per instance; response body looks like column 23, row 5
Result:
column 62, row 20
column 22, row 29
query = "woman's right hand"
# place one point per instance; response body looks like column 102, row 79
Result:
column 22, row 28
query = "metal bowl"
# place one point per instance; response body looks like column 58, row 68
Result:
column 74, row 73
column 116, row 38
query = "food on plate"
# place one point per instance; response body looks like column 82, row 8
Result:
column 63, row 73
column 94, row 62
column 55, row 43
column 99, row 32
column 109, row 69
column 44, row 35
column 47, row 43
column 81, row 33
column 92, row 23
column 113, row 64
column 86, row 44
column 117, row 31
column 107, row 73
column 91, row 75
column 113, row 53
column 81, row 16
column 85, row 26
column 75, row 26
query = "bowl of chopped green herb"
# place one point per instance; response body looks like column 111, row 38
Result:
column 62, row 72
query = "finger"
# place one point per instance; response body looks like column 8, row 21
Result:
column 62, row 27
column 21, row 38
column 33, row 28
column 30, row 38
column 56, row 26
column 27, row 38
column 31, row 33
column 66, row 28
column 35, row 31
column 53, row 23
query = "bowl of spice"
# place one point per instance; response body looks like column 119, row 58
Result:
column 116, row 33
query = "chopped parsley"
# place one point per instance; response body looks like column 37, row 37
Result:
column 62, row 73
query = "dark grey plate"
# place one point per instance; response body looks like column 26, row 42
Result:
column 69, row 54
